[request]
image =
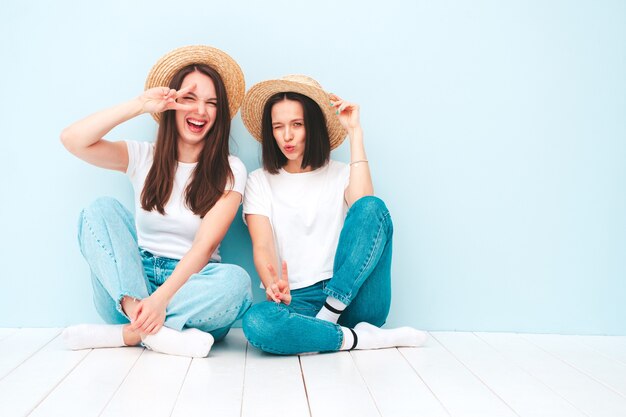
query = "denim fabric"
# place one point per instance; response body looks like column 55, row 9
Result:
column 211, row 300
column 361, row 279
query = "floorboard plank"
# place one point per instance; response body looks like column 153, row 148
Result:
column 455, row 375
column 7, row 331
column 613, row 347
column 214, row 386
column 335, row 386
column 22, row 344
column 90, row 386
column 526, row 395
column 273, row 386
column 597, row 366
column 151, row 387
column 28, row 384
column 460, row 391
column 584, row 393
column 396, row 388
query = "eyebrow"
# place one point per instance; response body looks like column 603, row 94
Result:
column 290, row 121
column 206, row 99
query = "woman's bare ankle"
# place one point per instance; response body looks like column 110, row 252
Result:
column 131, row 337
column 129, row 305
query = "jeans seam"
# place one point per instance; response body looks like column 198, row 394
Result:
column 201, row 321
column 266, row 349
column 93, row 234
column 386, row 217
column 346, row 299
column 340, row 334
column 118, row 303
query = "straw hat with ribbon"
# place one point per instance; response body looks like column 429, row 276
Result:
column 257, row 96
column 164, row 70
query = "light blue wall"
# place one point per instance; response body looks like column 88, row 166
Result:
column 496, row 133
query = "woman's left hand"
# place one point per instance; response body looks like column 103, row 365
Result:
column 348, row 113
column 279, row 290
column 150, row 315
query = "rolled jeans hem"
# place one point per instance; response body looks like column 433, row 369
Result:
column 118, row 303
column 346, row 299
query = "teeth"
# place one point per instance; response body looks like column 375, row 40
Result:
column 196, row 123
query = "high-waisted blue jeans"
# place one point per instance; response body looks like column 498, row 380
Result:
column 211, row 300
column 361, row 279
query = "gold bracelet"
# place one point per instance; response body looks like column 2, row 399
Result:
column 357, row 162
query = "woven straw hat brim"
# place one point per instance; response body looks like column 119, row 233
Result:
column 164, row 70
column 255, row 99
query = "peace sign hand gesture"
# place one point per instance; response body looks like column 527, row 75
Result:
column 279, row 291
column 160, row 99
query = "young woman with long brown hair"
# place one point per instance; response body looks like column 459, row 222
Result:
column 157, row 277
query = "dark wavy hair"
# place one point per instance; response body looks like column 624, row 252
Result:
column 212, row 171
column 317, row 142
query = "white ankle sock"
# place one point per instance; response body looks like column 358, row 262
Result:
column 348, row 338
column 189, row 342
column 331, row 310
column 371, row 337
column 90, row 336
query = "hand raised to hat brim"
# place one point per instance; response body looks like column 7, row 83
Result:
column 160, row 99
column 348, row 113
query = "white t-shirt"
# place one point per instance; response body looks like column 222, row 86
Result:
column 172, row 234
column 307, row 212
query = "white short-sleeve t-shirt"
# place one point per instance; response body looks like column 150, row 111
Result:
column 306, row 211
column 170, row 235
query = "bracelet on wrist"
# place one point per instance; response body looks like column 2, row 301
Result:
column 355, row 163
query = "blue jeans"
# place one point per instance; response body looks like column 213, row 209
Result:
column 361, row 280
column 211, row 300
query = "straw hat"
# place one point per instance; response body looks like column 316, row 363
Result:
column 257, row 96
column 163, row 71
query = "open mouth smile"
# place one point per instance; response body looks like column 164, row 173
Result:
column 195, row 125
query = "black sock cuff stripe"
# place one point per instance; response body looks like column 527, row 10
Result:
column 332, row 309
column 356, row 339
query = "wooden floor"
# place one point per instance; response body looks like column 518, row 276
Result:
column 455, row 374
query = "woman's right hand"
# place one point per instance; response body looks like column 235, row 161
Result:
column 160, row 99
column 85, row 138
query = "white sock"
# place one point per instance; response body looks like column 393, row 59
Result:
column 331, row 310
column 348, row 339
column 189, row 342
column 90, row 336
column 369, row 336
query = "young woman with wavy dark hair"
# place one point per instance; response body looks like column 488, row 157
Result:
column 157, row 277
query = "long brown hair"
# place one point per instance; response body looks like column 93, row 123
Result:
column 212, row 172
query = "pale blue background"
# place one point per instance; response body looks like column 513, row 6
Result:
column 496, row 132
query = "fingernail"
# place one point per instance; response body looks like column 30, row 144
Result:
column 337, row 112
column 331, row 104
